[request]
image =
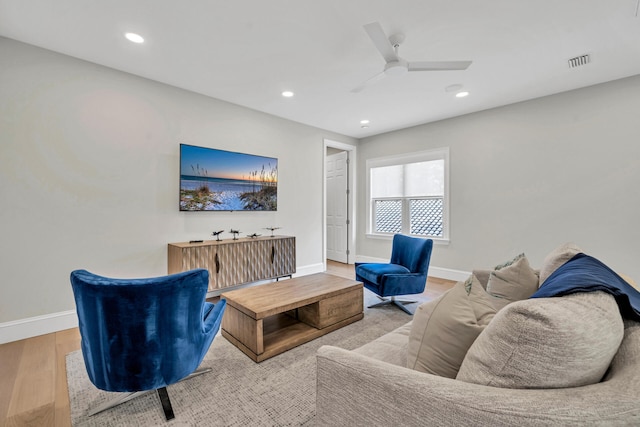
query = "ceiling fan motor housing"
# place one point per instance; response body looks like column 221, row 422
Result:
column 396, row 68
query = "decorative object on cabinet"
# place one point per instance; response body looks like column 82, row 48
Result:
column 272, row 229
column 217, row 234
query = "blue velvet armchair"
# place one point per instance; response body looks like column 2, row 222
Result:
column 141, row 335
column 406, row 272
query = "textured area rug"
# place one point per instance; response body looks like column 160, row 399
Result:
column 280, row 391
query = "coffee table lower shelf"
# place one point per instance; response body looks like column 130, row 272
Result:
column 283, row 332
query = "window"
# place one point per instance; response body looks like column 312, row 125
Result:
column 408, row 194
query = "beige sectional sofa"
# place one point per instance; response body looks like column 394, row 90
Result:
column 523, row 369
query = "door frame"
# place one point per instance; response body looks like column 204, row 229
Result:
column 351, row 206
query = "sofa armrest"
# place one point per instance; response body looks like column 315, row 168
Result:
column 356, row 390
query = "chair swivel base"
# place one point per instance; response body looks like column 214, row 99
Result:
column 162, row 393
column 395, row 302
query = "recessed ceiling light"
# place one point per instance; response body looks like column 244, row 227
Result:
column 287, row 94
column 133, row 37
column 462, row 94
column 364, row 122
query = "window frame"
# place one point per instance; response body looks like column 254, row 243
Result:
column 403, row 159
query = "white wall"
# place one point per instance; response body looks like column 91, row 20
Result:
column 89, row 175
column 530, row 176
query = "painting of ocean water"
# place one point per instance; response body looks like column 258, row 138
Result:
column 212, row 179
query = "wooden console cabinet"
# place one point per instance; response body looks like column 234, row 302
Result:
column 234, row 262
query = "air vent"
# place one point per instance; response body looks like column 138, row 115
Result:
column 579, row 61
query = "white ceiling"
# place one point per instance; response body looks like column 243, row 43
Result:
column 248, row 51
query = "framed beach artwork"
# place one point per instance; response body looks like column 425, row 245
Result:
column 219, row 180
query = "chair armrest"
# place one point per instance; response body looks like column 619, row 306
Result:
column 353, row 389
column 212, row 316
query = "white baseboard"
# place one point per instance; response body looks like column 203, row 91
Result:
column 361, row 258
column 38, row 325
column 449, row 274
column 54, row 322
column 440, row 272
column 309, row 269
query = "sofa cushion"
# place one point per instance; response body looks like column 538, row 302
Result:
column 514, row 280
column 390, row 347
column 443, row 329
column 545, row 343
column 556, row 258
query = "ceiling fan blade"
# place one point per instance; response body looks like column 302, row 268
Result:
column 369, row 82
column 381, row 41
column 438, row 65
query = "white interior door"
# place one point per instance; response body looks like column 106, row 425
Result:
column 337, row 172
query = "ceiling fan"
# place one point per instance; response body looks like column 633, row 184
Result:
column 395, row 65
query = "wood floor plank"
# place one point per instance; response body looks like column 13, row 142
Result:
column 10, row 355
column 32, row 402
column 66, row 342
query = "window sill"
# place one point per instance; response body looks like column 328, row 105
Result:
column 436, row 240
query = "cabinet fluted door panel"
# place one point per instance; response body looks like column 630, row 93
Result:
column 229, row 271
column 234, row 262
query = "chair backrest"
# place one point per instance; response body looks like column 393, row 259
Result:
column 412, row 252
column 142, row 334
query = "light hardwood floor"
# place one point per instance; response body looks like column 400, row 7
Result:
column 33, row 382
column 33, row 378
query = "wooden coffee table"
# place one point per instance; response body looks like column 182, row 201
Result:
column 266, row 320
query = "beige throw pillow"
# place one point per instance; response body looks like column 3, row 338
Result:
column 557, row 258
column 545, row 343
column 513, row 281
column 443, row 329
column 482, row 276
